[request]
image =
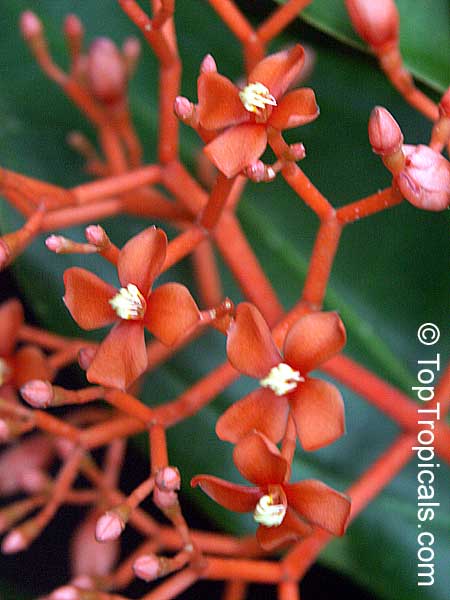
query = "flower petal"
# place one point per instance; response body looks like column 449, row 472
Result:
column 30, row 363
column 121, row 357
column 219, row 104
column 171, row 312
column 250, row 346
column 238, row 498
column 11, row 318
column 292, row 528
column 87, row 298
column 296, row 108
column 237, row 148
column 261, row 410
column 319, row 504
column 259, row 460
column 318, row 411
column 278, row 71
column 141, row 259
column 313, row 339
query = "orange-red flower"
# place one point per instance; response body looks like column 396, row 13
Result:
column 17, row 367
column 316, row 406
column 245, row 115
column 284, row 510
column 168, row 312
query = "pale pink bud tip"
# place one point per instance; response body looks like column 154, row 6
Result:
column 14, row 542
column 73, row 26
column 168, row 479
column 68, row 592
column 109, row 527
column 96, row 235
column 444, row 104
column 55, row 243
column 164, row 499
column 106, row 71
column 425, row 179
column 385, row 135
column 131, row 48
column 183, row 108
column 297, row 151
column 30, row 25
column 85, row 357
column 147, row 567
column 37, row 393
column 376, row 21
column 208, row 65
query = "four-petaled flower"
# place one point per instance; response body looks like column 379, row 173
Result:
column 245, row 115
column 168, row 312
column 315, row 405
column 18, row 367
column 284, row 511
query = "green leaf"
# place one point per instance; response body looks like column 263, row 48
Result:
column 424, row 35
column 390, row 273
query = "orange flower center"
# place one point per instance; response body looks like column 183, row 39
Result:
column 282, row 379
column 271, row 508
column 129, row 303
column 257, row 99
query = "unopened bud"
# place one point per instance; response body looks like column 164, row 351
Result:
column 164, row 499
column 168, row 479
column 88, row 556
column 106, row 71
column 147, row 567
column 37, row 393
column 67, row 592
column 425, row 179
column 34, row 453
column 259, row 172
column 208, row 65
column 131, row 50
column 109, row 526
column 14, row 542
column 73, row 27
column 5, row 254
column 30, row 25
column 385, row 135
column 85, row 357
column 183, row 108
column 96, row 235
column 376, row 21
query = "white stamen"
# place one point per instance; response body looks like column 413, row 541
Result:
column 269, row 514
column 256, row 98
column 4, row 371
column 129, row 303
column 282, row 379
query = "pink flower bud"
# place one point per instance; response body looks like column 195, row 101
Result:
column 208, row 65
column 73, row 27
column 385, row 135
column 55, row 243
column 85, row 357
column 164, row 499
column 30, row 25
column 14, row 542
column 109, row 527
column 96, row 235
column 376, row 21
column 131, row 50
column 259, row 172
column 106, row 71
column 183, row 108
column 4, row 431
column 88, row 556
column 168, row 479
column 37, row 393
column 33, row 453
column 425, row 179
column 67, row 592
column 5, row 254
column 147, row 567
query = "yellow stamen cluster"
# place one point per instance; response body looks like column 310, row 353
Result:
column 256, row 98
column 129, row 303
column 282, row 379
column 269, row 514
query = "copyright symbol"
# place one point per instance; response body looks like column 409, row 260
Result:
column 428, row 334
